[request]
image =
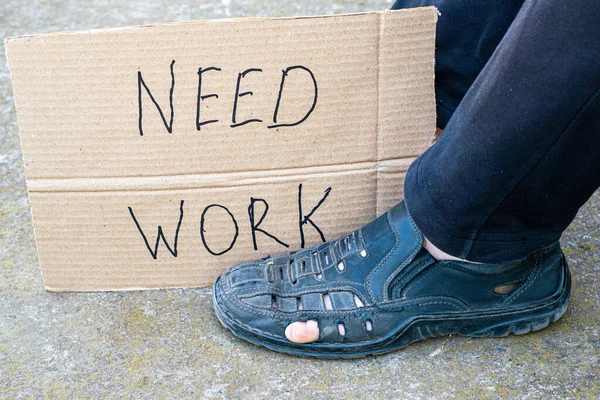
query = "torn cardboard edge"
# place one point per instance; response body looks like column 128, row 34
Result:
column 115, row 210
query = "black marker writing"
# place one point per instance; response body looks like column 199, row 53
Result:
column 284, row 75
column 160, row 235
column 303, row 220
column 202, row 218
column 201, row 98
column 255, row 226
column 141, row 83
column 238, row 95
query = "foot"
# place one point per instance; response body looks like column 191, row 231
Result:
column 377, row 289
column 306, row 332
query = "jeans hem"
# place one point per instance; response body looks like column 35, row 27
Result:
column 465, row 245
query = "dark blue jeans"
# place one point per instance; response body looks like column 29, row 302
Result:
column 518, row 90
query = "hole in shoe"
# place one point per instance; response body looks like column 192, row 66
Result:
column 315, row 257
column 358, row 302
column 368, row 325
column 341, row 266
column 281, row 273
column 302, row 267
column 341, row 329
column 506, row 289
column 363, row 253
column 299, row 304
column 326, row 255
column 273, row 301
column 347, row 243
column 327, row 301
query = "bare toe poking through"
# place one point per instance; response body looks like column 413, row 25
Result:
column 302, row 332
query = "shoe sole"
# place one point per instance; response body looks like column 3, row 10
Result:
column 518, row 321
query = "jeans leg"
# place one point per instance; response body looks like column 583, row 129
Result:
column 468, row 32
column 521, row 153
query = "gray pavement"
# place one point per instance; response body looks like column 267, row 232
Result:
column 168, row 344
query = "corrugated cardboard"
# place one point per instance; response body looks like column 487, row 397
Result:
column 317, row 118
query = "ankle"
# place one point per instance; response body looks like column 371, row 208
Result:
column 439, row 254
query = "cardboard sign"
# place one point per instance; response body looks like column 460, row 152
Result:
column 157, row 156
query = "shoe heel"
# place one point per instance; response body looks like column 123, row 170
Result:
column 524, row 325
column 516, row 328
column 533, row 320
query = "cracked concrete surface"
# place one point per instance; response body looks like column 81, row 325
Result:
column 168, row 344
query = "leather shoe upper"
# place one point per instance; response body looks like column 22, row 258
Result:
column 372, row 281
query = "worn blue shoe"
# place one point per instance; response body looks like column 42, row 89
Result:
column 377, row 290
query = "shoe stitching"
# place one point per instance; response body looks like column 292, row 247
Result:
column 406, row 303
column 246, row 326
column 451, row 264
column 271, row 335
column 337, row 254
column 333, row 304
column 347, row 313
column 229, row 286
column 420, row 276
column 434, row 302
column 374, row 308
column 308, row 290
column 362, row 239
column 409, row 274
column 338, row 247
column 282, row 315
column 333, row 314
column 267, row 272
column 455, row 265
column 407, row 261
column 533, row 275
column 257, row 290
column 351, row 242
column 245, row 281
column 288, row 272
column 282, row 294
column 315, row 262
column 295, row 271
column 302, row 270
column 384, row 259
column 241, row 282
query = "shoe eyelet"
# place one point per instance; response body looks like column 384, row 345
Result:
column 341, row 266
column 363, row 253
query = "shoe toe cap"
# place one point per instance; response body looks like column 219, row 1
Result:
column 244, row 302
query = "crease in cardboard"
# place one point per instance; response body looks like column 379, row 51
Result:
column 215, row 180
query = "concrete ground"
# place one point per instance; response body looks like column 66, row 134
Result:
column 168, row 344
